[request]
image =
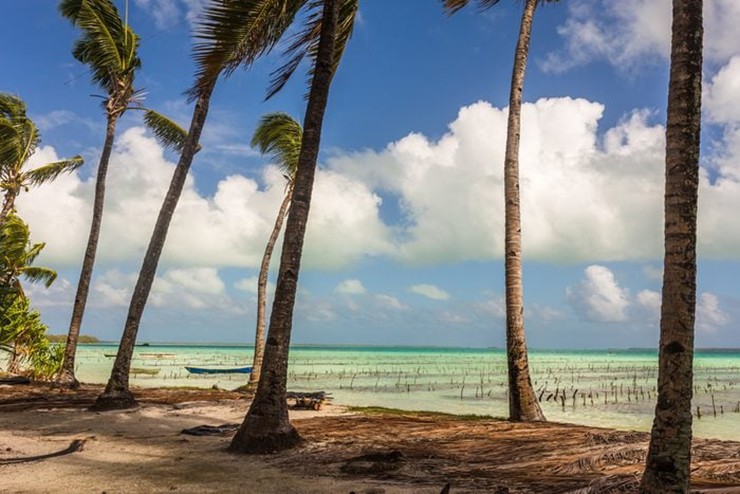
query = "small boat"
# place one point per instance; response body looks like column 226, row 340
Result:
column 146, row 371
column 110, row 355
column 219, row 370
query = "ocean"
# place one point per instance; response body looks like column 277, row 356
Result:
column 608, row 388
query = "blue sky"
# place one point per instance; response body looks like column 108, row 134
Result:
column 405, row 236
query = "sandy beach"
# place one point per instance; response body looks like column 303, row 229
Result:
column 370, row 451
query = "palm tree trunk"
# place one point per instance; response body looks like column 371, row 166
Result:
column 66, row 375
column 8, row 204
column 259, row 334
column 523, row 405
column 266, row 427
column 668, row 462
column 117, row 394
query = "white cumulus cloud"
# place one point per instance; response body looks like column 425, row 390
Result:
column 350, row 287
column 430, row 291
column 598, row 297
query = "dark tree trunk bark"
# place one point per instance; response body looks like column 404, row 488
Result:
column 8, row 204
column 668, row 462
column 266, row 427
column 259, row 334
column 523, row 405
column 117, row 395
column 66, row 377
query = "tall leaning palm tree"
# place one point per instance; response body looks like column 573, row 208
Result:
column 279, row 135
column 523, row 404
column 669, row 455
column 109, row 47
column 231, row 34
column 266, row 428
column 19, row 139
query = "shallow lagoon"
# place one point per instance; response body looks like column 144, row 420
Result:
column 599, row 388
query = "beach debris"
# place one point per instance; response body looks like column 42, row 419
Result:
column 75, row 446
column 13, row 380
column 211, row 430
column 307, row 401
column 373, row 463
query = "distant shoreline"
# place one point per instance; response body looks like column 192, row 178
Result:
column 368, row 347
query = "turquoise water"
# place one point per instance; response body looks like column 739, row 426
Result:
column 601, row 388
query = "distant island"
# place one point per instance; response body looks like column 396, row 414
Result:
column 62, row 338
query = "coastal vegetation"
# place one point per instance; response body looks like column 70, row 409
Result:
column 233, row 34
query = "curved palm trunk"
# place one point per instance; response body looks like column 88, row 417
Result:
column 259, row 334
column 669, row 455
column 66, row 375
column 266, row 427
column 117, row 394
column 523, row 405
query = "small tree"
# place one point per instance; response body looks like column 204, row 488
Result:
column 279, row 135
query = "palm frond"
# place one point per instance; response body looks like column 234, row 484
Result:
column 235, row 33
column 35, row 274
column 452, row 6
column 11, row 107
column 306, row 42
column 51, row 171
column 168, row 133
column 14, row 236
column 10, row 143
column 279, row 135
column 107, row 45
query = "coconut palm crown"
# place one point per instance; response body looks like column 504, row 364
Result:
column 19, row 139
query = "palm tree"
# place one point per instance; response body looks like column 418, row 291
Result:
column 266, row 428
column 668, row 461
column 110, row 47
column 231, row 34
column 19, row 139
column 17, row 254
column 279, row 135
column 523, row 404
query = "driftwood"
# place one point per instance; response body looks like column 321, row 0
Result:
column 75, row 446
column 211, row 430
column 308, row 401
column 15, row 380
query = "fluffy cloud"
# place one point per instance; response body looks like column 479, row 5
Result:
column 629, row 32
column 709, row 315
column 598, row 297
column 720, row 97
column 584, row 197
column 168, row 13
column 350, row 287
column 228, row 229
column 430, row 291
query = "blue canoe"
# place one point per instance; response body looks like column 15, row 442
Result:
column 219, row 370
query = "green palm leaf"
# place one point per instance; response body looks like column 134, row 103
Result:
column 452, row 6
column 306, row 42
column 35, row 274
column 51, row 171
column 107, row 45
column 280, row 135
column 236, row 32
column 168, row 133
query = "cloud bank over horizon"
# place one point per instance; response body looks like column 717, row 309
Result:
column 588, row 195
